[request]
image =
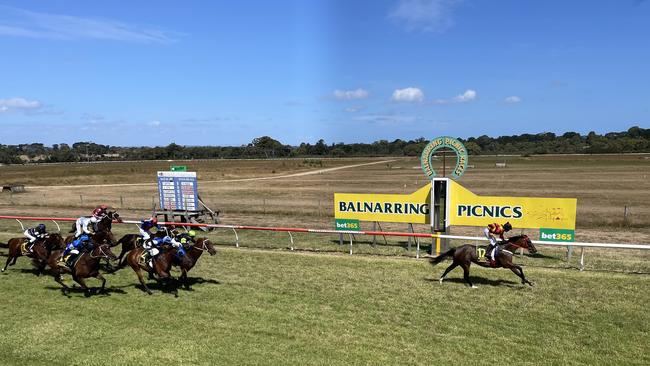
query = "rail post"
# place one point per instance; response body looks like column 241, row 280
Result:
column 290, row 239
column 582, row 258
column 350, row 244
column 236, row 237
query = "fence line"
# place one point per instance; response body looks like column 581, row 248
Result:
column 437, row 237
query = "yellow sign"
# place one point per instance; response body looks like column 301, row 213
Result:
column 468, row 209
column 409, row 208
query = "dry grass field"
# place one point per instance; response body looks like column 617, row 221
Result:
column 264, row 304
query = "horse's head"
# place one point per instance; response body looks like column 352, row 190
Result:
column 54, row 241
column 523, row 241
column 205, row 244
column 103, row 251
column 114, row 216
column 104, row 236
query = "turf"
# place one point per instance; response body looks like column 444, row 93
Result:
column 251, row 306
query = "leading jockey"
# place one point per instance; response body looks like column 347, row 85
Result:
column 152, row 246
column 490, row 232
column 34, row 234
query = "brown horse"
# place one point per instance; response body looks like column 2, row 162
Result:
column 193, row 254
column 130, row 242
column 466, row 254
column 86, row 265
column 162, row 265
column 40, row 251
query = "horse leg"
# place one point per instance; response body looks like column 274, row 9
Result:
column 466, row 274
column 449, row 269
column 520, row 272
column 59, row 280
column 9, row 258
column 82, row 282
column 101, row 278
column 141, row 278
column 184, row 279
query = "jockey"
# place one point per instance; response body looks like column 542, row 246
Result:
column 152, row 246
column 82, row 225
column 186, row 238
column 34, row 234
column 100, row 212
column 75, row 246
column 145, row 226
column 490, row 231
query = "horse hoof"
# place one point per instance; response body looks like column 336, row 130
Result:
column 440, row 280
column 474, row 286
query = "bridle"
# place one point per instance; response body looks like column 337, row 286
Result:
column 101, row 250
column 203, row 247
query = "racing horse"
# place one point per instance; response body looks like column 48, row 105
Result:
column 105, row 224
column 162, row 265
column 465, row 255
column 132, row 241
column 194, row 252
column 40, row 251
column 85, row 265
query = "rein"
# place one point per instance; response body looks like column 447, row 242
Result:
column 203, row 247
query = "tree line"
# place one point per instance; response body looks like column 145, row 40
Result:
column 634, row 140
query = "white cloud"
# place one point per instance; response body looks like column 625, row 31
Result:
column 512, row 99
column 386, row 118
column 351, row 94
column 468, row 96
column 353, row 109
column 409, row 94
column 31, row 24
column 20, row 104
column 424, row 15
column 154, row 123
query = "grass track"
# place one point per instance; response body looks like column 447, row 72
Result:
column 264, row 307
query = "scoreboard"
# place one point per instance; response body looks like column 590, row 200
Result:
column 178, row 191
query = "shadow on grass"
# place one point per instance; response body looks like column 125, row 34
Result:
column 478, row 281
column 94, row 291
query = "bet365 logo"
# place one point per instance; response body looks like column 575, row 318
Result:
column 556, row 235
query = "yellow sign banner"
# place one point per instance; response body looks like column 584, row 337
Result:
column 408, row 208
column 468, row 209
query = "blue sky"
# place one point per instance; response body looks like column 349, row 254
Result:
column 224, row 72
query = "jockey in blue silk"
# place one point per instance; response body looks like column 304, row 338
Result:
column 152, row 246
column 34, row 234
column 145, row 226
column 76, row 246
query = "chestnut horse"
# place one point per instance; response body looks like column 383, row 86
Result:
column 194, row 252
column 84, row 266
column 40, row 251
column 130, row 242
column 466, row 254
column 162, row 265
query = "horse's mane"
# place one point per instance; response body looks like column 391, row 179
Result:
column 513, row 239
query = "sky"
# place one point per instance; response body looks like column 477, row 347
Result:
column 136, row 73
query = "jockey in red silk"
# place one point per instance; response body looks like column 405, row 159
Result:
column 490, row 232
column 100, row 212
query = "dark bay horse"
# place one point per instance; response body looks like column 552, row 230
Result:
column 194, row 252
column 105, row 224
column 162, row 265
column 86, row 265
column 40, row 251
column 466, row 254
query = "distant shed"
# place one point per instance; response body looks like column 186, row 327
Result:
column 13, row 188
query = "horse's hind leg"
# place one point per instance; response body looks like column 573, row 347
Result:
column 449, row 269
column 9, row 258
column 466, row 275
column 141, row 278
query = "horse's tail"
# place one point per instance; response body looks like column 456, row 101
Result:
column 4, row 245
column 442, row 256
